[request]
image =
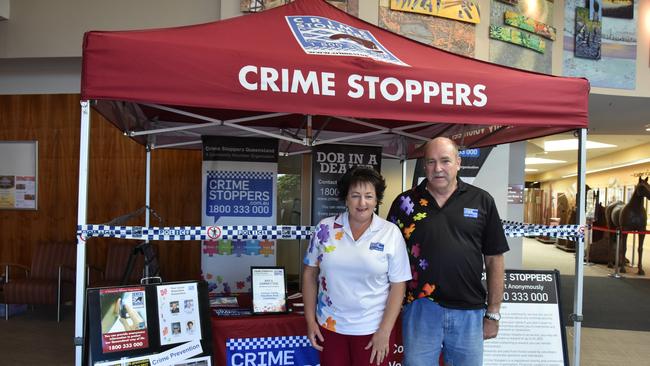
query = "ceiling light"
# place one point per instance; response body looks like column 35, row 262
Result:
column 530, row 170
column 534, row 161
column 572, row 144
column 636, row 162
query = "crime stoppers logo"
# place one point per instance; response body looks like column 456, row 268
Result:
column 323, row 36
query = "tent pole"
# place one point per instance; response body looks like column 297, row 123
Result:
column 82, row 205
column 147, row 200
column 579, row 272
column 305, row 192
column 403, row 174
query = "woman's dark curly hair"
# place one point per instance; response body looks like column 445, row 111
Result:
column 361, row 174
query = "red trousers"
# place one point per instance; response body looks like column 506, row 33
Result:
column 348, row 350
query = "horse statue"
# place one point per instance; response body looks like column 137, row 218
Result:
column 628, row 217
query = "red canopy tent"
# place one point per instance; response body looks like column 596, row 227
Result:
column 310, row 58
column 308, row 73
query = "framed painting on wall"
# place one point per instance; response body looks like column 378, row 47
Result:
column 618, row 9
column 19, row 175
column 587, row 35
column 614, row 194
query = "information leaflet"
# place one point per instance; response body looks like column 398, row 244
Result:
column 178, row 313
column 124, row 320
column 531, row 331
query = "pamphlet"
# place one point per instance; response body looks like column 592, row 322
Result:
column 124, row 319
column 224, row 302
column 178, row 313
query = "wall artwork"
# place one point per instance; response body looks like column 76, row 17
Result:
column 254, row 6
column 517, row 37
column 587, row 35
column 595, row 9
column 463, row 10
column 616, row 67
column 443, row 33
column 509, row 54
column 528, row 24
column 618, row 8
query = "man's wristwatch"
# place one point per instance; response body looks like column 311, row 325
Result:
column 492, row 316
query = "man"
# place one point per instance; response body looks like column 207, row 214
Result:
column 451, row 228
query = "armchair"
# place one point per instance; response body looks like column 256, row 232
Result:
column 48, row 280
column 117, row 259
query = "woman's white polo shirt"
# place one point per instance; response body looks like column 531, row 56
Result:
column 355, row 276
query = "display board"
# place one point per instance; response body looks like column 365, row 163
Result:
column 18, row 174
column 239, row 187
column 531, row 330
column 329, row 163
column 165, row 323
column 471, row 161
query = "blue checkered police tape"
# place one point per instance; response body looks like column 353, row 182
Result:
column 238, row 344
column 222, row 174
column 514, row 229
column 179, row 233
column 266, row 232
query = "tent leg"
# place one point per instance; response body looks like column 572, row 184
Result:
column 580, row 249
column 147, row 203
column 80, row 282
column 404, row 174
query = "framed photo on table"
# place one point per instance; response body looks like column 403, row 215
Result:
column 269, row 285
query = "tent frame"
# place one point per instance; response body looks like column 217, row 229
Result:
column 308, row 140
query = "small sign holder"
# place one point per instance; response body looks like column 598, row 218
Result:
column 269, row 285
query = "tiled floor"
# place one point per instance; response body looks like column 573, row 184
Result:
column 598, row 347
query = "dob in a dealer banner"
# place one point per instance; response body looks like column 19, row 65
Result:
column 329, row 163
column 471, row 161
column 239, row 188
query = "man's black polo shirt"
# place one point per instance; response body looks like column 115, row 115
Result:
column 446, row 245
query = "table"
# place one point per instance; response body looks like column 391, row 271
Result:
column 270, row 340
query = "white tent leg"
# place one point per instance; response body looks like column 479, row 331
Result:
column 404, row 174
column 580, row 253
column 84, row 146
column 147, row 200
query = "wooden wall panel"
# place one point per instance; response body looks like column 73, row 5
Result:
column 51, row 121
column 116, row 183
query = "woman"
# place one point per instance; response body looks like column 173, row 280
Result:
column 354, row 277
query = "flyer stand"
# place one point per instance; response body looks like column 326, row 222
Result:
column 148, row 324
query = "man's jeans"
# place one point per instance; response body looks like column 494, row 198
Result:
column 428, row 329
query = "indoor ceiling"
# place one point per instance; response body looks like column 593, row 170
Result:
column 616, row 120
